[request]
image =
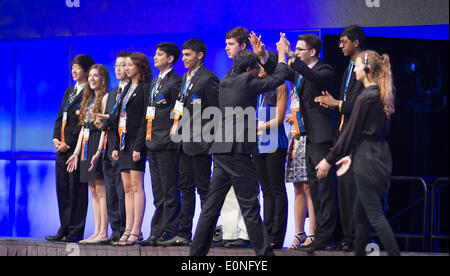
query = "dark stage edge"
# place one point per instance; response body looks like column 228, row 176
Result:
column 36, row 247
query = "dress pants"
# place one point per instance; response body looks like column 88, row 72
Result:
column 166, row 194
column 270, row 168
column 322, row 194
column 369, row 211
column 235, row 170
column 72, row 198
column 115, row 196
column 346, row 198
column 195, row 172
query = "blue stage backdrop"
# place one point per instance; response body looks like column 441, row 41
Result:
column 38, row 39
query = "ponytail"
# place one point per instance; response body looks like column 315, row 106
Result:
column 386, row 85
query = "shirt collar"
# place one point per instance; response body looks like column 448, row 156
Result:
column 313, row 64
column 163, row 75
column 190, row 76
column 79, row 87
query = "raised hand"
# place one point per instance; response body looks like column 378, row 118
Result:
column 258, row 47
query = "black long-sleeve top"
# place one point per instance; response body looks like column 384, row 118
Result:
column 365, row 138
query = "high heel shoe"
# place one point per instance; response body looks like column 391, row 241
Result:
column 133, row 242
column 123, row 240
column 301, row 238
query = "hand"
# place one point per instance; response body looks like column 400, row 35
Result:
column 326, row 100
column 72, row 163
column 94, row 161
column 286, row 43
column 115, row 155
column 322, row 169
column 136, row 156
column 289, row 119
column 64, row 148
column 258, row 47
column 100, row 120
column 57, row 144
column 345, row 165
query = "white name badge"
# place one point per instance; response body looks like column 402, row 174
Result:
column 123, row 122
column 151, row 110
column 260, row 123
column 86, row 133
column 64, row 117
column 295, row 104
column 178, row 108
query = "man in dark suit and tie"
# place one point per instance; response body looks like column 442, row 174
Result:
column 199, row 90
column 71, row 193
column 234, row 143
column 115, row 195
column 352, row 43
column 154, row 135
column 312, row 76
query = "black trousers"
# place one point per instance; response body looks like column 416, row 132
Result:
column 72, row 198
column 115, row 196
column 369, row 210
column 270, row 169
column 166, row 193
column 322, row 194
column 195, row 171
column 346, row 198
column 237, row 170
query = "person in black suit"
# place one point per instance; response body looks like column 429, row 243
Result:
column 131, row 156
column 352, row 43
column 312, row 77
column 365, row 139
column 154, row 136
column 200, row 89
column 72, row 194
column 234, row 143
column 115, row 195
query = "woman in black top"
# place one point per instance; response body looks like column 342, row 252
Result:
column 365, row 140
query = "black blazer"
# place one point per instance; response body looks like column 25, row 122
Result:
column 319, row 121
column 135, row 111
column 203, row 90
column 164, row 102
column 354, row 89
column 241, row 90
column 72, row 128
column 110, row 122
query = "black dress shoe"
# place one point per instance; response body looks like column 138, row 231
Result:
column 345, row 246
column 56, row 238
column 175, row 241
column 71, row 239
column 307, row 248
column 151, row 241
column 239, row 243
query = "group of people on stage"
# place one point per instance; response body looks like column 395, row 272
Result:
column 103, row 140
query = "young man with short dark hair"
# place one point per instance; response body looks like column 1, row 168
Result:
column 199, row 90
column 352, row 42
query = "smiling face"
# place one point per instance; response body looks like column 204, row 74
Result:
column 192, row 59
column 95, row 79
column 131, row 69
column 233, row 47
column 78, row 73
column 119, row 68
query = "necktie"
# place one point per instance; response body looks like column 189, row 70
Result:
column 72, row 96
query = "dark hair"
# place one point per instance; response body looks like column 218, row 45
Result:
column 170, row 49
column 240, row 34
column 355, row 32
column 195, row 45
column 84, row 61
column 123, row 54
column 141, row 62
column 243, row 60
column 88, row 94
column 270, row 97
column 313, row 41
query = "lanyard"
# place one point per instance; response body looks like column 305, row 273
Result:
column 127, row 98
column 299, row 82
column 88, row 117
column 155, row 88
column 349, row 76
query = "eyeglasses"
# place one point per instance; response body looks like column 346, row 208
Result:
column 298, row 49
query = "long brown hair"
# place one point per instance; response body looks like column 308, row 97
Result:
column 88, row 94
column 141, row 62
column 380, row 71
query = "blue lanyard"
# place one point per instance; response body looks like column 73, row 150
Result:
column 124, row 106
column 88, row 117
column 155, row 88
column 349, row 76
column 185, row 88
column 299, row 82
column 116, row 103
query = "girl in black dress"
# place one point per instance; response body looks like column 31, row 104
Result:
column 89, row 148
column 364, row 141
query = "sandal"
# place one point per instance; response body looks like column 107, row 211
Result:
column 131, row 243
column 301, row 238
column 123, row 241
column 310, row 238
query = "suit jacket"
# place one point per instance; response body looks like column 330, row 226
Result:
column 241, row 90
column 135, row 108
column 319, row 122
column 72, row 128
column 164, row 102
column 204, row 91
column 354, row 89
column 112, row 119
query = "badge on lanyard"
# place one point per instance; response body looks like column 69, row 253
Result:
column 151, row 111
column 123, row 122
column 86, row 133
column 178, row 109
column 64, row 117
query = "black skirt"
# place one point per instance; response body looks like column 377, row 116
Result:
column 92, row 147
column 126, row 161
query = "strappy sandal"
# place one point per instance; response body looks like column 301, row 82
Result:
column 310, row 238
column 131, row 243
column 122, row 241
column 301, row 238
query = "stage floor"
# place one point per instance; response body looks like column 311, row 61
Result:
column 37, row 247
